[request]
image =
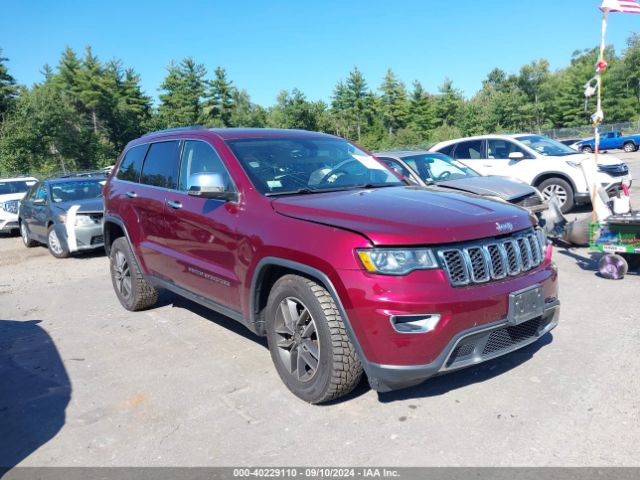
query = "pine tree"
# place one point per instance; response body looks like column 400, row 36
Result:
column 421, row 111
column 219, row 100
column 393, row 102
column 8, row 88
column 184, row 87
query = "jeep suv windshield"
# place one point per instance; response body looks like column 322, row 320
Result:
column 281, row 166
column 545, row 146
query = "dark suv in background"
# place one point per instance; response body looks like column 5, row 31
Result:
column 311, row 241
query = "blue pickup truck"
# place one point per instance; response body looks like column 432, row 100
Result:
column 611, row 141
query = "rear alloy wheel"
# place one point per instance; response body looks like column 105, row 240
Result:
column 561, row 190
column 587, row 149
column 26, row 239
column 308, row 341
column 133, row 291
column 56, row 245
column 630, row 147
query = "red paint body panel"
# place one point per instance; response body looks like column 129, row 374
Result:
column 226, row 241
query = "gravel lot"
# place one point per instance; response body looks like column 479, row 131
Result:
column 85, row 383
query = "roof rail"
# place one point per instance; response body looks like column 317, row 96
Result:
column 175, row 130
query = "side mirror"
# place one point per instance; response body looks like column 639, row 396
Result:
column 209, row 185
column 516, row 156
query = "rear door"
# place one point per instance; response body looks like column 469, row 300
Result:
column 202, row 237
column 159, row 176
column 472, row 154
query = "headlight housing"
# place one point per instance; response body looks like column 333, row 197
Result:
column 397, row 261
column 83, row 221
column 10, row 206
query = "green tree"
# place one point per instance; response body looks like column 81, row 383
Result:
column 393, row 102
column 183, row 87
column 246, row 113
column 352, row 104
column 219, row 100
column 293, row 110
column 422, row 112
column 8, row 87
column 448, row 103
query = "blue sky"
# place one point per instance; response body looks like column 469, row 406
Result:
column 267, row 46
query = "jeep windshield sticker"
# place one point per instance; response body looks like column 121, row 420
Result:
column 368, row 161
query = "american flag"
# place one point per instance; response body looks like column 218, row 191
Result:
column 622, row 6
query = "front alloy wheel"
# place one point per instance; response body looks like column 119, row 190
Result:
column 56, row 246
column 559, row 188
column 308, row 341
column 298, row 344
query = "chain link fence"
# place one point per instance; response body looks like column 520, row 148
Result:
column 627, row 128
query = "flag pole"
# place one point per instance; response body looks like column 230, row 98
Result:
column 598, row 117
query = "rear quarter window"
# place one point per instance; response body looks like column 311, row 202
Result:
column 131, row 164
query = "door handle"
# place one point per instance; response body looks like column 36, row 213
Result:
column 175, row 205
column 132, row 194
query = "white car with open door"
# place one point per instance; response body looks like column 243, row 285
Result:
column 544, row 163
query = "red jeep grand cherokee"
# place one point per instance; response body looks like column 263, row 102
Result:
column 309, row 240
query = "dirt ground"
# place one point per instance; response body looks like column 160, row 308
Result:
column 85, row 383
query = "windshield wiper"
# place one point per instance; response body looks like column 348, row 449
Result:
column 307, row 191
column 377, row 185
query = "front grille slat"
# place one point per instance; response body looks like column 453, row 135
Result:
column 486, row 261
column 507, row 337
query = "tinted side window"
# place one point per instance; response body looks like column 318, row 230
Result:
column 448, row 149
column 501, row 149
column 41, row 193
column 469, row 150
column 132, row 164
column 200, row 157
column 31, row 194
column 160, row 168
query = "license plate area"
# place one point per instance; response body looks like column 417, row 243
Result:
column 525, row 305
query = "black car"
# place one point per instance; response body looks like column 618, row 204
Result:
column 441, row 171
column 63, row 213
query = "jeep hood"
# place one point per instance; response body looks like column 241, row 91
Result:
column 406, row 215
column 490, row 186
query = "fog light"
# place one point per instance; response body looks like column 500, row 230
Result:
column 414, row 323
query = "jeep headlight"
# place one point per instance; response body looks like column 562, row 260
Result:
column 389, row 261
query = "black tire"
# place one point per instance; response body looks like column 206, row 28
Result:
column 557, row 185
column 26, row 239
column 56, row 245
column 630, row 147
column 338, row 369
column 587, row 149
column 132, row 290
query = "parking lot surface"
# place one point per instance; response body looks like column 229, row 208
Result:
column 85, row 383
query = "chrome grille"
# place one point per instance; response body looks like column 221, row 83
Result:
column 481, row 262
